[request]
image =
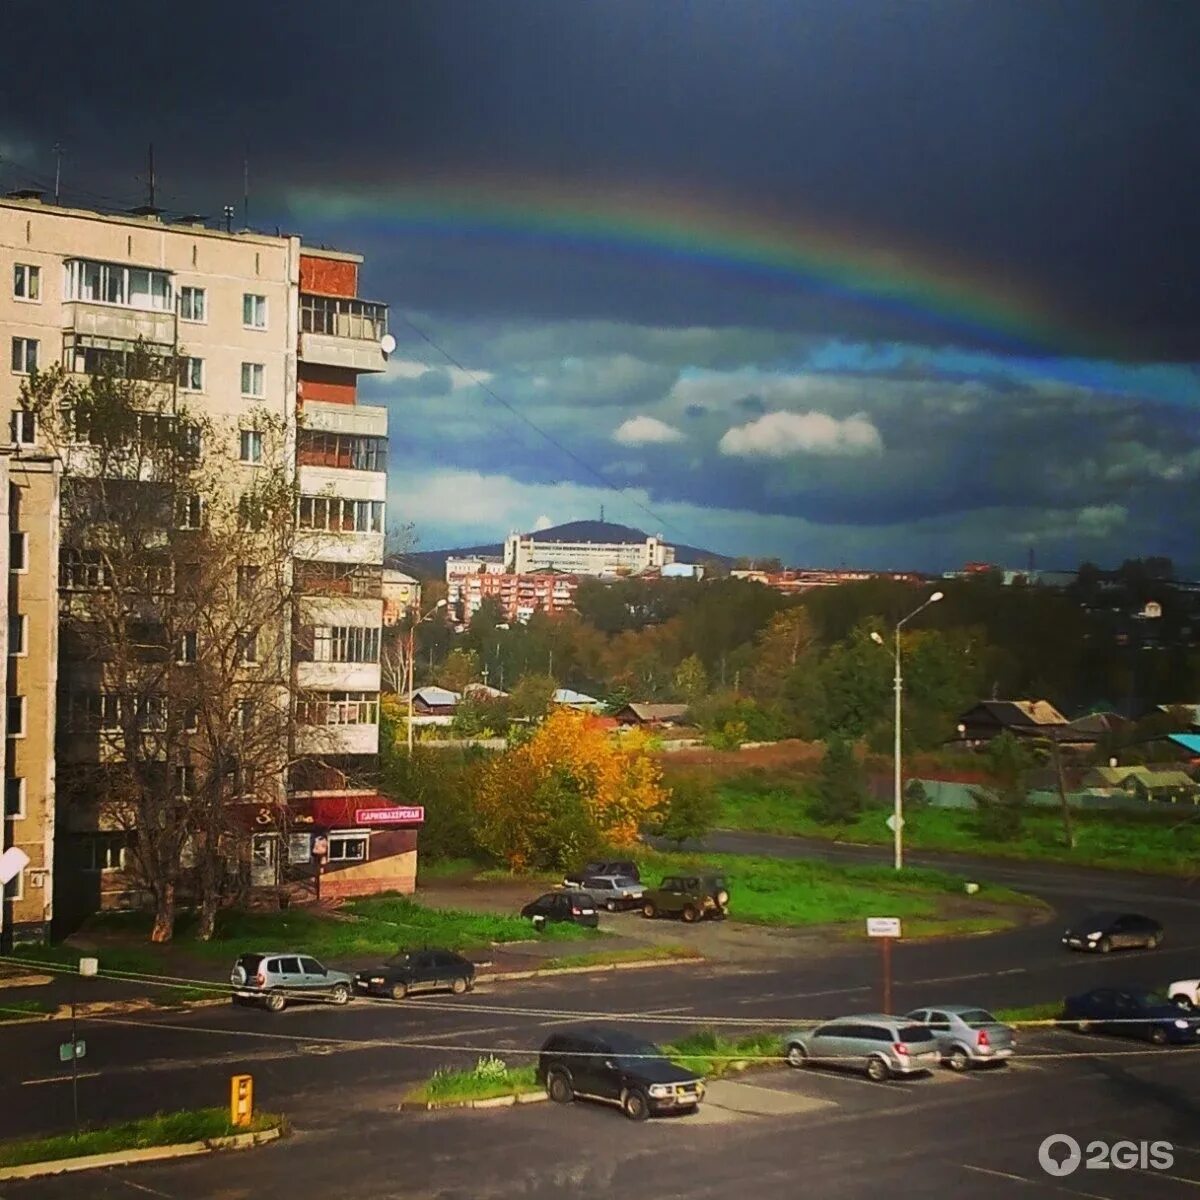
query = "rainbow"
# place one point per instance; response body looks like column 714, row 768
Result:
column 841, row 264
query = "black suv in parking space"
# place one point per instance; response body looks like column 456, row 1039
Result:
column 618, row 1068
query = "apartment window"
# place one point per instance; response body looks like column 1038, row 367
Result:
column 18, row 552
column 248, row 648
column 339, row 708
column 16, row 716
column 14, row 889
column 191, row 719
column 252, row 380
column 243, row 714
column 345, row 643
column 24, row 355
column 185, row 651
column 336, row 514
column 254, row 311
column 251, row 514
column 151, row 713
column 110, row 283
column 185, row 780
column 193, row 304
column 18, row 629
column 23, row 427
column 341, row 316
column 81, row 570
column 102, row 852
column 247, row 581
column 251, row 446
column 14, row 798
column 350, row 846
column 27, row 282
column 191, row 512
column 358, row 452
column 191, row 374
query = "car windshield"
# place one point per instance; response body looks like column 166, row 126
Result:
column 1096, row 921
column 977, row 1017
column 632, row 1051
column 625, row 881
column 398, row 960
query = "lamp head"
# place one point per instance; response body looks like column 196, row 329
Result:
column 936, row 597
column 876, row 637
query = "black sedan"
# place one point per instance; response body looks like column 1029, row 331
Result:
column 420, row 971
column 567, row 905
column 1132, row 1012
column 1107, row 931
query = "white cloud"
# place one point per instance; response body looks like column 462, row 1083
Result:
column 1090, row 521
column 782, row 434
column 642, row 431
column 407, row 368
column 543, row 522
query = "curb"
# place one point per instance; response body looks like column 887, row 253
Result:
column 118, row 1158
column 491, row 1102
column 634, row 965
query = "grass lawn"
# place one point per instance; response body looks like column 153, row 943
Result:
column 163, row 1129
column 1153, row 841
column 773, row 891
column 713, row 1054
column 1050, row 1011
column 15, row 1010
column 378, row 926
column 489, row 1078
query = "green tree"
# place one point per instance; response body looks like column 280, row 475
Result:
column 1000, row 809
column 692, row 811
column 841, row 789
column 460, row 668
column 691, row 679
column 786, row 645
column 531, row 697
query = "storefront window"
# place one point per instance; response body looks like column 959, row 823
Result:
column 348, row 847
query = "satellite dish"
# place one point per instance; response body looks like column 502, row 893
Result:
column 387, row 343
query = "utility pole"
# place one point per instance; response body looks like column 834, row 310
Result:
column 58, row 153
column 246, row 192
column 152, row 182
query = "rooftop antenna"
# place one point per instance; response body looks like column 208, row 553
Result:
column 228, row 210
column 246, row 191
column 153, row 182
column 58, row 153
column 602, row 514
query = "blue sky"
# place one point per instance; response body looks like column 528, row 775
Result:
column 1044, row 148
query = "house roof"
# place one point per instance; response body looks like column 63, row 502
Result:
column 436, row 697
column 1115, row 775
column 1162, row 779
column 1024, row 713
column 482, row 690
column 656, row 712
column 567, row 696
column 1096, row 724
column 1189, row 741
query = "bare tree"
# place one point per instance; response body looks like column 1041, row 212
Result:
column 176, row 607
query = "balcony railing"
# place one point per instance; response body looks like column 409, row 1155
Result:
column 340, row 316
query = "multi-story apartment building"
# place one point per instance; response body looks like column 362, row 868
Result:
column 259, row 324
column 401, row 596
column 527, row 552
column 519, row 596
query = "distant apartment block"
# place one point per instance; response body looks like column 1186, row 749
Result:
column 526, row 552
column 519, row 596
column 797, row 580
column 401, row 595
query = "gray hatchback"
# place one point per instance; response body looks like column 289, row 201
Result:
column 275, row 979
column 966, row 1036
column 881, row 1045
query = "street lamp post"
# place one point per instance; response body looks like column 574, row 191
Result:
column 898, row 782
column 411, row 643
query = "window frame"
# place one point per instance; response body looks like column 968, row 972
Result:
column 23, row 627
column 187, row 648
column 111, row 284
column 23, row 706
column 18, row 892
column 21, row 354
column 20, row 812
column 33, row 274
column 254, row 374
column 23, row 535
column 195, row 291
column 250, row 439
column 344, row 837
column 187, row 365
column 257, row 307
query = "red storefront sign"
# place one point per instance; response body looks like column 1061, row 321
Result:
column 389, row 816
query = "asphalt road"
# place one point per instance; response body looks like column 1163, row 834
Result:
column 339, row 1073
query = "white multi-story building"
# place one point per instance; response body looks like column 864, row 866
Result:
column 526, row 552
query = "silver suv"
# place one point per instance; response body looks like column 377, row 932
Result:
column 966, row 1036
column 274, row 979
column 882, row 1046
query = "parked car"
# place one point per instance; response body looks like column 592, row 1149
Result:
column 614, row 891
column 1131, row 1012
column 690, row 897
column 966, row 1036
column 568, row 905
column 276, row 979
column 420, row 971
column 882, row 1046
column 1185, row 993
column 626, row 868
column 1107, row 931
column 616, row 1068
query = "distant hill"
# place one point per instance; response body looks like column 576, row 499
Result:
column 433, row 562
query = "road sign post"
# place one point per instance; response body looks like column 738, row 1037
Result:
column 886, row 929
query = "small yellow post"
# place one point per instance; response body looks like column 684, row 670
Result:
column 241, row 1099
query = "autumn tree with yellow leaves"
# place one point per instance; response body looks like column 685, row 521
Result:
column 566, row 793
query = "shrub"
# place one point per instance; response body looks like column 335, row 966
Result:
column 840, row 790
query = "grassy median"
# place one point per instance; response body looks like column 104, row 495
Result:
column 162, row 1129
column 488, row 1079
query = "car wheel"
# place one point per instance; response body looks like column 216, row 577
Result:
column 276, row 1002
column 559, row 1089
column 1158, row 1035
column 797, row 1055
column 340, row 994
column 958, row 1059
column 610, row 905
column 1105, row 945
column 399, row 991
column 459, row 986
column 649, row 911
column 689, row 914
column 877, row 1070
column 635, row 1105
column 1183, row 1002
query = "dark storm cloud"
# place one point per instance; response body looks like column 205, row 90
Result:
column 751, row 404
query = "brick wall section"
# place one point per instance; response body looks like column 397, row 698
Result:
column 328, row 276
column 327, row 383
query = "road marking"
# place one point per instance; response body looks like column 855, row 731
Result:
column 141, row 1187
column 1177, row 1178
column 60, row 1078
column 1046, row 1183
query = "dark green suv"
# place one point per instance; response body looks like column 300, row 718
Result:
column 690, row 897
